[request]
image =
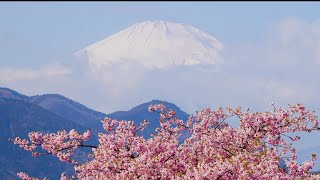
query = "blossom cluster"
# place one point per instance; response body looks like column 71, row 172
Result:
column 214, row 150
column 61, row 144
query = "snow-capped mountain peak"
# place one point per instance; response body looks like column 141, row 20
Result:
column 155, row 44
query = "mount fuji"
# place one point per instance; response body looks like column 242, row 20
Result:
column 155, row 45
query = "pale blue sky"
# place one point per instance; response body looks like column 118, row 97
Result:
column 36, row 34
column 48, row 31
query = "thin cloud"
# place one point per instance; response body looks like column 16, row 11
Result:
column 11, row 74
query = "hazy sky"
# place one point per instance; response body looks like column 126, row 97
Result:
column 270, row 50
column 44, row 32
column 271, row 53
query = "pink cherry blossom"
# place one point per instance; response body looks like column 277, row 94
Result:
column 86, row 135
column 214, row 149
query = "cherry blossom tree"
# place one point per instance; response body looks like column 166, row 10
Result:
column 214, row 150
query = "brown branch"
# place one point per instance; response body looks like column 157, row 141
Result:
column 220, row 176
column 227, row 150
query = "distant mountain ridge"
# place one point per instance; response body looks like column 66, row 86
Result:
column 67, row 108
column 57, row 104
column 20, row 114
column 143, row 108
column 11, row 94
column 76, row 112
column 140, row 113
column 18, row 118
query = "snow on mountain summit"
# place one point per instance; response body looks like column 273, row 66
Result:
column 155, row 44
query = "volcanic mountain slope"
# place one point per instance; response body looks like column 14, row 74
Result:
column 155, row 44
